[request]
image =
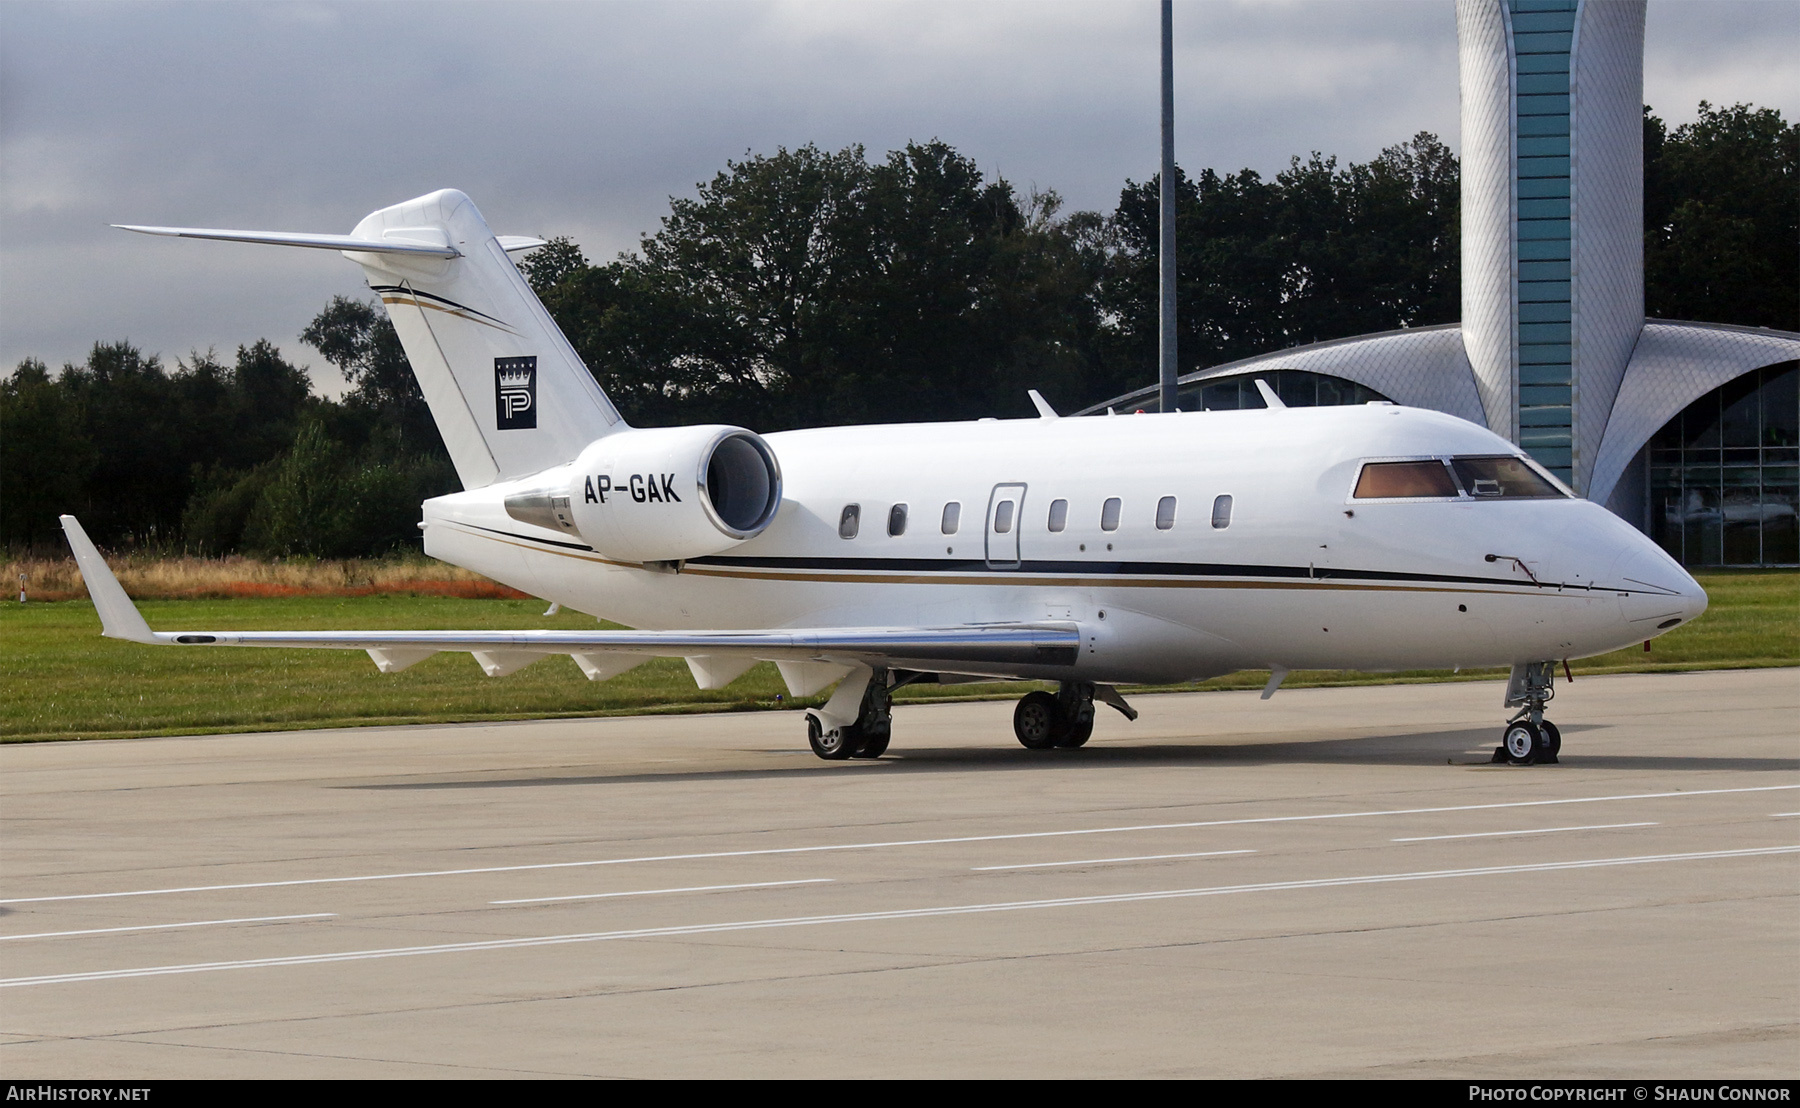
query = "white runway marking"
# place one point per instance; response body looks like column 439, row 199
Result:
column 164, row 926
column 886, row 845
column 661, row 892
column 1531, row 831
column 865, row 917
column 1103, row 861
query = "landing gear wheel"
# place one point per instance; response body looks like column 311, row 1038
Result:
column 1552, row 743
column 1037, row 721
column 833, row 745
column 1524, row 743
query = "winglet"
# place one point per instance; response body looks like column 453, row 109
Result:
column 119, row 617
column 1045, row 411
column 1268, row 394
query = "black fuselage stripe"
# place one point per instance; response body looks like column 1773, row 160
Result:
column 946, row 566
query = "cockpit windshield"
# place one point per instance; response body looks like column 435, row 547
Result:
column 1479, row 477
column 1502, row 478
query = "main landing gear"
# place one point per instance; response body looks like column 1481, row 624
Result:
column 1063, row 719
column 858, row 719
column 1529, row 737
column 834, row 734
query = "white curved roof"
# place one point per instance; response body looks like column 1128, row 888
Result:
column 1673, row 365
column 1422, row 367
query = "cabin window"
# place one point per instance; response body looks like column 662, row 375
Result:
column 1502, row 478
column 849, row 521
column 1383, row 480
column 1221, row 518
column 1109, row 514
column 897, row 520
column 1059, row 514
column 952, row 517
column 1003, row 517
column 1165, row 513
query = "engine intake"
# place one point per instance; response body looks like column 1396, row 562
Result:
column 659, row 494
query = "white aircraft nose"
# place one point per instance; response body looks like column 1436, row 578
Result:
column 1656, row 594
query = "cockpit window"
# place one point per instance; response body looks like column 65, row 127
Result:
column 1382, row 480
column 1502, row 478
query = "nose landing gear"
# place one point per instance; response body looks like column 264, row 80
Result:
column 1529, row 737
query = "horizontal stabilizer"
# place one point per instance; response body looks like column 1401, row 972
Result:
column 315, row 242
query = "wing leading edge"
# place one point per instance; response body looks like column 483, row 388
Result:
column 716, row 656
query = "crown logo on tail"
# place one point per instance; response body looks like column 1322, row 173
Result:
column 515, row 393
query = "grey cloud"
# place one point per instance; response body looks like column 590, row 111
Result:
column 583, row 119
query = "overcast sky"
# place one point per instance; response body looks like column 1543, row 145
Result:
column 582, row 119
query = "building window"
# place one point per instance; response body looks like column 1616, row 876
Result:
column 1109, row 514
column 897, row 520
column 849, row 521
column 1165, row 513
column 952, row 517
column 1059, row 514
column 1725, row 474
column 1221, row 517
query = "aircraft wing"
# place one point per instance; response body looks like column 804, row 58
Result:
column 990, row 649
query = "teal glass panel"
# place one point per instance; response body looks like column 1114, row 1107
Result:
column 1541, row 292
column 1543, row 83
column 1538, row 353
column 1544, row 63
column 1545, row 417
column 1552, row 312
column 1545, row 166
column 1545, row 106
column 1544, row 186
column 1544, row 250
column 1543, row 375
column 1553, row 207
column 1550, row 395
column 1555, row 457
column 1543, row 229
column 1535, row 22
column 1543, row 42
column 1518, row 7
column 1537, row 333
column 1536, row 146
column 1544, row 271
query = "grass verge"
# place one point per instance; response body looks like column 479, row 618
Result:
column 60, row 680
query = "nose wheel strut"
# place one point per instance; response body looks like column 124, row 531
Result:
column 1530, row 738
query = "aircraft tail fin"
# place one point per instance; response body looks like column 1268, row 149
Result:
column 509, row 394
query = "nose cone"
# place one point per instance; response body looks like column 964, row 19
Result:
column 1655, row 593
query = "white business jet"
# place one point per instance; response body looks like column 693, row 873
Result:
column 1087, row 552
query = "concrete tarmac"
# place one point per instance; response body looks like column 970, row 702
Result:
column 1331, row 883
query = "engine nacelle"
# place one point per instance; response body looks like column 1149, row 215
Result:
column 660, row 494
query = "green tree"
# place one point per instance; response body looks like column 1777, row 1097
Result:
column 45, row 457
column 1722, row 218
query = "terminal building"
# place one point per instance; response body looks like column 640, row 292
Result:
column 1689, row 430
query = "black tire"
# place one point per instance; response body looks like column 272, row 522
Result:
column 1552, row 744
column 1077, row 734
column 1037, row 721
column 833, row 746
column 1524, row 743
